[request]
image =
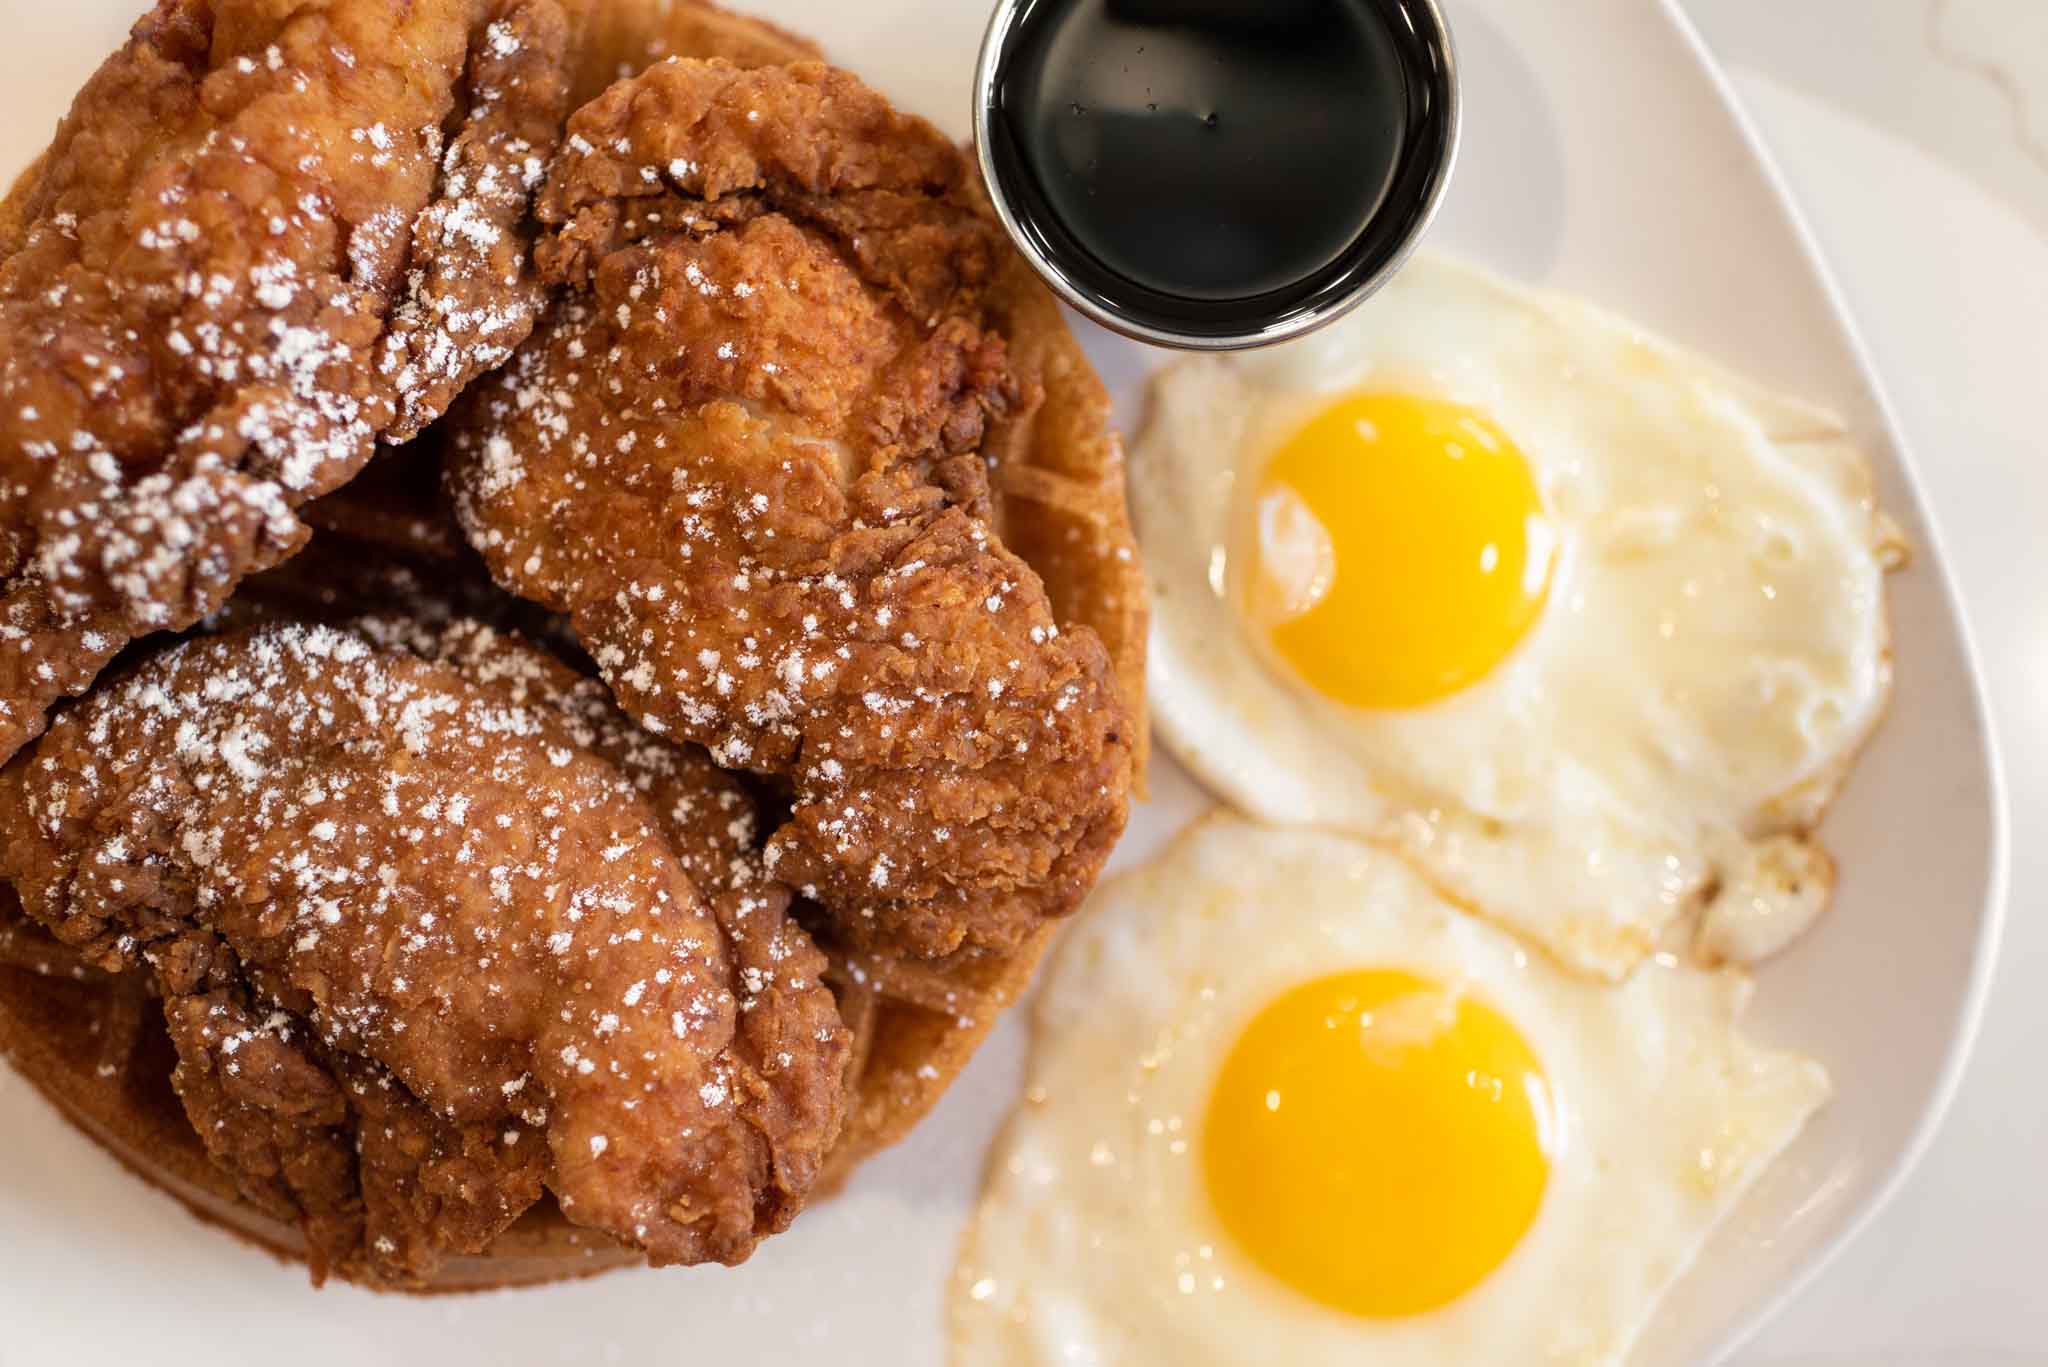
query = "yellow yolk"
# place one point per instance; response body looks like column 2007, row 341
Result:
column 1378, row 1143
column 1400, row 550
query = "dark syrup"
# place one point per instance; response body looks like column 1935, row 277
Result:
column 1204, row 153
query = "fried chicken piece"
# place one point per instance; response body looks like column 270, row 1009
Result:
column 436, row 927
column 744, row 453
column 266, row 237
column 378, row 1184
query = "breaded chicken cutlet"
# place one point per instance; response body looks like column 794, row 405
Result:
column 312, row 1095
column 748, row 453
column 435, row 928
column 265, row 238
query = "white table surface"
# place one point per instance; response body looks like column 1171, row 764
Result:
column 1915, row 136
column 1912, row 133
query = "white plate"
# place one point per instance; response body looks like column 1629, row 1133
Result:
column 1602, row 155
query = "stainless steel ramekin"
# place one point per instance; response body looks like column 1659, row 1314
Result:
column 1420, row 177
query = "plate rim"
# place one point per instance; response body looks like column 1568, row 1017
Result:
column 1969, row 1016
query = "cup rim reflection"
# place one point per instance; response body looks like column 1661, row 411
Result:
column 1358, row 283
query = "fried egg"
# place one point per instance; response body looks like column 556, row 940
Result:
column 1587, row 628
column 1287, row 1104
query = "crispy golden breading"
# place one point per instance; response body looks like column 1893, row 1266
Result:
column 744, row 453
column 252, row 252
column 436, row 927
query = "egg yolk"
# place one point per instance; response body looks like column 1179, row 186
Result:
column 1400, row 550
column 1378, row 1143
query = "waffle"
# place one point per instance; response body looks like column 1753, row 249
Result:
column 95, row 1044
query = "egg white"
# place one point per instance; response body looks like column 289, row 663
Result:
column 1095, row 1243
column 1712, row 652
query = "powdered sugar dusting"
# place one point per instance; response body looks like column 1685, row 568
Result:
column 195, row 354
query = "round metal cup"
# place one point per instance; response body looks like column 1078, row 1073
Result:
column 1146, row 315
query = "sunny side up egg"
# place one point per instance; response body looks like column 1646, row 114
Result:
column 1586, row 627
column 1286, row 1104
